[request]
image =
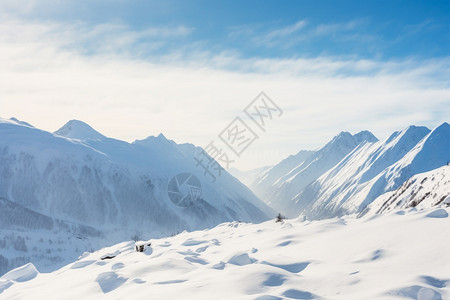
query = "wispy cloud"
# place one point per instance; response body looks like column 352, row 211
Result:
column 284, row 31
column 303, row 31
column 105, row 38
column 275, row 36
column 331, row 28
column 47, row 79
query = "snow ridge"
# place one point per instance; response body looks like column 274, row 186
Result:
column 78, row 176
column 421, row 191
column 279, row 185
column 372, row 170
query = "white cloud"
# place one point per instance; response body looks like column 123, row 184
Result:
column 306, row 33
column 46, row 79
column 326, row 29
column 275, row 36
column 288, row 30
column 106, row 38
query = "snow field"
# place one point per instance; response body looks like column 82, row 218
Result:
column 395, row 256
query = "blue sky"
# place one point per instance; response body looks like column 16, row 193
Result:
column 187, row 68
column 368, row 29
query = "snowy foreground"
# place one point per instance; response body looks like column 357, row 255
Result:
column 395, row 256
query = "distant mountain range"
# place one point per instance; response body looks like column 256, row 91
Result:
column 281, row 183
column 351, row 171
column 77, row 190
column 91, row 186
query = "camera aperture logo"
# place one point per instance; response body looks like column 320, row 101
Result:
column 184, row 189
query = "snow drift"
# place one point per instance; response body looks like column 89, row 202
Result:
column 392, row 256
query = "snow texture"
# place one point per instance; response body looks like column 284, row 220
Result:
column 82, row 188
column 390, row 256
column 278, row 185
column 350, row 172
column 424, row 190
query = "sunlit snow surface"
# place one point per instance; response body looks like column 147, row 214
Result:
column 404, row 254
column 75, row 190
column 422, row 191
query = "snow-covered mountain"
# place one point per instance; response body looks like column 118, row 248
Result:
column 393, row 256
column 266, row 179
column 28, row 236
column 75, row 129
column 78, row 176
column 249, row 176
column 278, row 185
column 423, row 190
column 374, row 169
column 77, row 190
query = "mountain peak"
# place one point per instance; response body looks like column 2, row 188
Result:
column 413, row 131
column 76, row 129
column 416, row 128
column 365, row 135
column 21, row 122
column 343, row 135
column 347, row 138
column 410, row 133
column 443, row 127
column 439, row 137
column 151, row 140
column 161, row 136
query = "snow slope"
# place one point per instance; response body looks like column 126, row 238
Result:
column 374, row 169
column 424, row 190
column 401, row 255
column 49, row 243
column 281, row 183
column 78, row 175
column 249, row 176
column 101, row 181
column 266, row 179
